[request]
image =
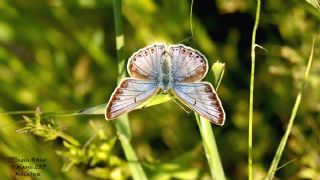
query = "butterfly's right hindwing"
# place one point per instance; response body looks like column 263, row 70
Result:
column 202, row 98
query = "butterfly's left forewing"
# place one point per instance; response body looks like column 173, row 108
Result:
column 128, row 95
column 202, row 98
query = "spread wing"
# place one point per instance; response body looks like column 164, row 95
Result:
column 202, row 98
column 188, row 64
column 128, row 95
column 144, row 63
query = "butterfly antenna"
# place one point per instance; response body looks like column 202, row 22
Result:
column 192, row 37
column 179, row 104
column 184, row 109
column 191, row 24
column 186, row 40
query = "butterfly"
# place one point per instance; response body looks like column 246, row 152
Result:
column 178, row 68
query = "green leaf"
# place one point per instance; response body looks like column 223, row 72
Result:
column 100, row 109
column 156, row 100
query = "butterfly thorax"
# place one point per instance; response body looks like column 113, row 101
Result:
column 165, row 78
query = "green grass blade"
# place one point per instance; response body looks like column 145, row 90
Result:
column 157, row 99
column 315, row 3
column 208, row 139
column 253, row 57
column 204, row 125
column 122, row 123
column 210, row 147
column 95, row 110
column 284, row 139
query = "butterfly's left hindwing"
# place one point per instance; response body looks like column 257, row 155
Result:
column 128, row 95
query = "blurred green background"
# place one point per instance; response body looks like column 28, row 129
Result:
column 61, row 56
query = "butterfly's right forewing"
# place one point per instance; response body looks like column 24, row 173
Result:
column 144, row 64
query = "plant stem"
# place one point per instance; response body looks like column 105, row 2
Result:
column 209, row 142
column 284, row 139
column 210, row 147
column 208, row 139
column 253, row 57
column 122, row 123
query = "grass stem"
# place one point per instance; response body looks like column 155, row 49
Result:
column 208, row 139
column 284, row 139
column 210, row 148
column 253, row 57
